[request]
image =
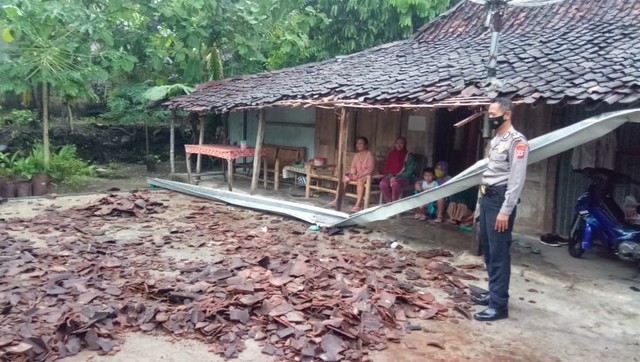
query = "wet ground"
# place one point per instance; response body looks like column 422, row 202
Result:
column 562, row 309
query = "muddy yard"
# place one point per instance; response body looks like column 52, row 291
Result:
column 162, row 276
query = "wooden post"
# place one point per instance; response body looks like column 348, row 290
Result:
column 257, row 156
column 244, row 135
column 200, row 142
column 187, row 157
column 172, row 142
column 230, row 176
column 146, row 133
column 342, row 148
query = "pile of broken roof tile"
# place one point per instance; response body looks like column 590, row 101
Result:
column 118, row 205
column 83, row 289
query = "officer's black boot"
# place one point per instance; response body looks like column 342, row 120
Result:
column 480, row 299
column 492, row 314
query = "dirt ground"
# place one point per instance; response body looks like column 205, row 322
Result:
column 562, row 309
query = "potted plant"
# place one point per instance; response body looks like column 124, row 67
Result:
column 7, row 174
column 40, row 178
column 29, row 169
column 25, row 172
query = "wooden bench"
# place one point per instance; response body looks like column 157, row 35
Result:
column 275, row 158
column 319, row 176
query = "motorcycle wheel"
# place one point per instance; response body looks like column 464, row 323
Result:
column 575, row 240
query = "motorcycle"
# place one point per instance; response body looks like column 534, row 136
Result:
column 600, row 217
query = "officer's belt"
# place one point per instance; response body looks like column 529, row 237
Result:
column 489, row 190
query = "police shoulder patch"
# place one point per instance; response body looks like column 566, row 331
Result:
column 521, row 150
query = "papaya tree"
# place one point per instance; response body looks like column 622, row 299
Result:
column 56, row 46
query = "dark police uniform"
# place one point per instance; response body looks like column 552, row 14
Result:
column 502, row 184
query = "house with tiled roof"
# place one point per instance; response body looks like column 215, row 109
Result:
column 559, row 63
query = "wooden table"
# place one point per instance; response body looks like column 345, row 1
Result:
column 229, row 153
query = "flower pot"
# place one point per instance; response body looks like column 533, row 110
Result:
column 7, row 188
column 3, row 182
column 40, row 184
column 23, row 188
column 319, row 161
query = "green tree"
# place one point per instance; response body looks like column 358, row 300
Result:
column 361, row 24
column 56, row 45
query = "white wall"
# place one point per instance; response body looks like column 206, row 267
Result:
column 284, row 126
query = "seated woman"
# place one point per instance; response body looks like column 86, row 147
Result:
column 428, row 182
column 442, row 176
column 461, row 207
column 363, row 165
column 398, row 170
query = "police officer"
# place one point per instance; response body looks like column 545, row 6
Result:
column 502, row 184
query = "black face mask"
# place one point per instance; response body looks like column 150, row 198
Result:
column 496, row 122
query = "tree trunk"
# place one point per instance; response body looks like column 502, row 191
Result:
column 45, row 123
column 146, row 135
column 172, row 142
column 70, row 117
column 257, row 158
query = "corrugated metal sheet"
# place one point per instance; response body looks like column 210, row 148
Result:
column 570, row 185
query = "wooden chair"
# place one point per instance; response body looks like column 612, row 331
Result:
column 247, row 167
column 284, row 156
column 319, row 176
column 275, row 158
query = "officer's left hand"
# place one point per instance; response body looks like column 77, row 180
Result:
column 502, row 222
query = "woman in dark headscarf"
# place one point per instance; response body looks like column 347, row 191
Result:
column 398, row 171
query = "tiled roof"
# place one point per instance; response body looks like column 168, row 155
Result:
column 574, row 51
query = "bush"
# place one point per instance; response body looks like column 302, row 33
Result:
column 8, row 164
column 67, row 168
column 20, row 117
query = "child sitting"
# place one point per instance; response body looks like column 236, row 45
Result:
column 428, row 182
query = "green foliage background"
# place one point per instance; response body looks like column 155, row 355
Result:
column 142, row 51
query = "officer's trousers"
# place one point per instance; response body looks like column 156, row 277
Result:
column 495, row 247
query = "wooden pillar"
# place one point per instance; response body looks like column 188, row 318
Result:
column 172, row 141
column 200, row 142
column 342, row 148
column 244, row 133
column 257, row 156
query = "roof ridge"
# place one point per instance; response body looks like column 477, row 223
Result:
column 464, row 18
